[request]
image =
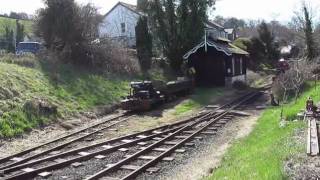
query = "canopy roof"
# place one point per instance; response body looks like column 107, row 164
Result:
column 223, row 46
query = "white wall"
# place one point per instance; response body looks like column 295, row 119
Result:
column 111, row 25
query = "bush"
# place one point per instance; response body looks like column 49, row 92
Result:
column 39, row 107
column 291, row 82
column 117, row 59
column 68, row 28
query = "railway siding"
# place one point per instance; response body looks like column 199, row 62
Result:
column 157, row 145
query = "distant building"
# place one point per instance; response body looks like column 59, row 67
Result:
column 231, row 33
column 216, row 61
column 215, row 30
column 119, row 24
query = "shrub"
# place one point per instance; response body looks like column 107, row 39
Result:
column 68, row 28
column 291, row 82
column 39, row 107
column 117, row 59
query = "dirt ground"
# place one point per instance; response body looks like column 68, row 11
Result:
column 163, row 115
column 302, row 166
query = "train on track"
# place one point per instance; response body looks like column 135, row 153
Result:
column 143, row 96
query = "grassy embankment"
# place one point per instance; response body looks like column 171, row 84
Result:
column 261, row 155
column 72, row 90
column 12, row 24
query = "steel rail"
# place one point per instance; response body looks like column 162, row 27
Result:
column 125, row 161
column 11, row 169
column 59, row 165
column 61, row 145
column 77, row 159
column 15, row 164
column 82, row 158
column 169, row 151
column 58, row 139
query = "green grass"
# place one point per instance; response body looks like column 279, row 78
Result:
column 71, row 89
column 201, row 97
column 12, row 24
column 261, row 155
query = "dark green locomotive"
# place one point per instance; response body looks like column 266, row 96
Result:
column 143, row 95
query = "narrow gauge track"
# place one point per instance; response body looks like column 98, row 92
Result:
column 34, row 157
column 61, row 142
column 187, row 133
column 130, row 140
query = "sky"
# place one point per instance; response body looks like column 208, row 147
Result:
column 281, row 10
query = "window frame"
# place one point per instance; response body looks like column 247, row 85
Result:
column 123, row 27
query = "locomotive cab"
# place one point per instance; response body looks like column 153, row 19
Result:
column 142, row 96
column 143, row 90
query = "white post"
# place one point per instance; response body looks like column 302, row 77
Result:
column 233, row 66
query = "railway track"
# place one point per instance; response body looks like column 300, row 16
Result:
column 173, row 140
column 171, row 136
column 62, row 142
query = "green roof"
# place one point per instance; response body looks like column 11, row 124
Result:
column 236, row 50
column 223, row 46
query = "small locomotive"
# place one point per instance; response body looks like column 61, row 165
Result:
column 143, row 95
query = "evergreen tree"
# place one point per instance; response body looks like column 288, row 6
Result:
column 267, row 39
column 144, row 44
column 20, row 32
column 9, row 36
column 178, row 25
column 308, row 30
column 69, row 28
column 143, row 5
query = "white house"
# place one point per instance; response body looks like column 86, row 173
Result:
column 119, row 24
column 215, row 30
column 232, row 34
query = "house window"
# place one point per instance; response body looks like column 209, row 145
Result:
column 123, row 27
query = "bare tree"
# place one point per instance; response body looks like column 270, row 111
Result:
column 68, row 27
column 293, row 80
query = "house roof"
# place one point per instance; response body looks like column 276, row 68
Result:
column 130, row 7
column 225, row 47
column 223, row 40
column 213, row 24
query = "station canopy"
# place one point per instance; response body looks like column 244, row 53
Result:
column 220, row 44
